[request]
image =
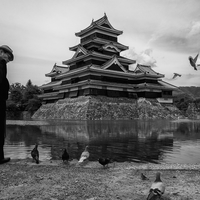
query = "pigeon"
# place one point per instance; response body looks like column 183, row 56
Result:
column 35, row 154
column 105, row 161
column 157, row 188
column 193, row 61
column 143, row 177
column 85, row 155
column 175, row 75
column 65, row 156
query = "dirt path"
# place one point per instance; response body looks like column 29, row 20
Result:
column 54, row 180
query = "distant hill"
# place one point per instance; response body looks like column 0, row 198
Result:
column 191, row 91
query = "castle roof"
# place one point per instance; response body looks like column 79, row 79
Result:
column 51, row 84
column 83, row 53
column 146, row 70
column 100, row 41
column 114, row 60
column 57, row 69
column 102, row 24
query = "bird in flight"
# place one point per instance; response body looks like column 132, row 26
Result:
column 193, row 61
column 176, row 75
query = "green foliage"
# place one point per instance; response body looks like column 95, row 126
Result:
column 33, row 105
column 16, row 95
column 12, row 106
column 29, row 84
column 31, row 92
column 191, row 91
column 17, row 86
column 23, row 98
column 185, row 96
column 16, row 92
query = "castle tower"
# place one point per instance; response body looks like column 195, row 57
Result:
column 97, row 68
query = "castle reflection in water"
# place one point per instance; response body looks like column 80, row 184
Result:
column 135, row 141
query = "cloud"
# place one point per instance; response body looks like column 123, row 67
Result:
column 131, row 53
column 144, row 58
column 195, row 29
column 183, row 39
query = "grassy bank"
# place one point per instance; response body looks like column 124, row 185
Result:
column 22, row 179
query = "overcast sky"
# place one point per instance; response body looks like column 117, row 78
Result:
column 161, row 33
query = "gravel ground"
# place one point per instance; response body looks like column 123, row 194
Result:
column 53, row 180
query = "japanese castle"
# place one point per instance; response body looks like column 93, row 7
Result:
column 97, row 68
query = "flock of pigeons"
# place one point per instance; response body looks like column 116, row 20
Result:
column 65, row 156
column 157, row 188
column 193, row 63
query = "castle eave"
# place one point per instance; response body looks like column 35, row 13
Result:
column 100, row 41
column 51, row 74
column 104, row 29
column 128, row 74
column 48, row 95
column 50, row 85
column 167, row 85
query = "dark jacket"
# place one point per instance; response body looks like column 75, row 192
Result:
column 4, row 84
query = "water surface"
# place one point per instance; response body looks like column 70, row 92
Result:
column 159, row 141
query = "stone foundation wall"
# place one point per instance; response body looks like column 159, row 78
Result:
column 105, row 108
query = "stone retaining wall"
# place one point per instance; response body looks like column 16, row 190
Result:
column 105, row 108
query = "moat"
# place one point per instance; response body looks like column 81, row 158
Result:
column 154, row 141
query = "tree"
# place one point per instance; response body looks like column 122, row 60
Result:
column 16, row 96
column 24, row 97
column 16, row 92
column 18, row 86
column 31, row 91
column 33, row 105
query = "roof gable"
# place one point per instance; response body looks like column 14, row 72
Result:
column 106, row 25
column 102, row 24
column 114, row 64
column 110, row 47
column 143, row 69
column 138, row 70
column 57, row 70
column 80, row 52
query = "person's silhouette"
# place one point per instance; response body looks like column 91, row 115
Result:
column 6, row 55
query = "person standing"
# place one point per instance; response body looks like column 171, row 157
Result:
column 6, row 55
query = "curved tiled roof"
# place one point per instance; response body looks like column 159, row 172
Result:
column 51, row 84
column 113, row 60
column 57, row 69
column 146, row 70
column 97, row 55
column 101, row 41
column 102, row 24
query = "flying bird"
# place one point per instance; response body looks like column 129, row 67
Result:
column 65, row 156
column 176, row 75
column 85, row 155
column 143, row 177
column 193, row 61
column 35, row 154
column 105, row 161
column 157, row 188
